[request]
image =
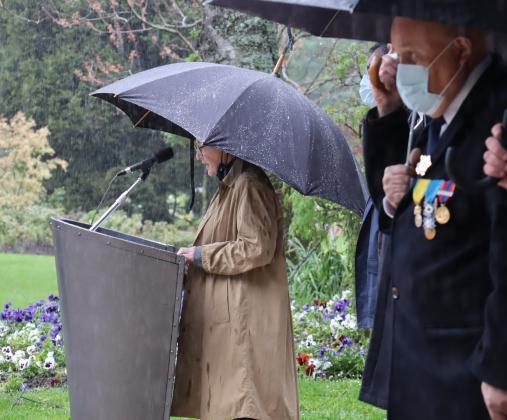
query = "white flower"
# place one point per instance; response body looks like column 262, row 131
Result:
column 326, row 365
column 4, row 329
column 20, row 354
column 316, row 363
column 23, row 363
column 309, row 342
column 2, row 359
column 7, row 350
column 335, row 326
column 31, row 349
column 58, row 339
column 300, row 316
column 346, row 294
column 350, row 322
column 49, row 363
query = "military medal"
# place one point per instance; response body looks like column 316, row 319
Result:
column 442, row 213
column 430, row 201
column 417, row 196
column 423, row 165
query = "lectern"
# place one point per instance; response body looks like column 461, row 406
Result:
column 121, row 299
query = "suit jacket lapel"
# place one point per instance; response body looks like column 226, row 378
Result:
column 474, row 98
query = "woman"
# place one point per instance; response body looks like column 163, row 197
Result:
column 236, row 350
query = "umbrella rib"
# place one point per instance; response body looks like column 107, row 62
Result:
column 330, row 22
column 142, row 118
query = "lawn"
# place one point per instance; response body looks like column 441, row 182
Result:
column 25, row 279
column 320, row 400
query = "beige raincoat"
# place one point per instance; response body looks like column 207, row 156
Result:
column 236, row 351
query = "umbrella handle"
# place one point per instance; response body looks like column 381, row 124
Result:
column 279, row 63
column 373, row 73
column 478, row 185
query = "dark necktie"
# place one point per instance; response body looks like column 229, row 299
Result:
column 434, row 134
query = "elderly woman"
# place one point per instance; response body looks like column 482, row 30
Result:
column 236, row 351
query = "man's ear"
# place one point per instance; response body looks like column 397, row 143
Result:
column 465, row 47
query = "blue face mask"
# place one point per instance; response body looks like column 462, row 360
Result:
column 412, row 81
column 366, row 92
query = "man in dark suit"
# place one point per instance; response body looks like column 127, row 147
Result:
column 439, row 343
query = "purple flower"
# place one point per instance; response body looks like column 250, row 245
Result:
column 323, row 351
column 341, row 306
column 347, row 341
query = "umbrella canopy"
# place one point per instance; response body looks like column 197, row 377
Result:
column 250, row 114
column 370, row 20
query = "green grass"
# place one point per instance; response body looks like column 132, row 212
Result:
column 24, row 279
column 320, row 400
column 42, row 404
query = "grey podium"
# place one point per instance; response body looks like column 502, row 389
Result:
column 121, row 298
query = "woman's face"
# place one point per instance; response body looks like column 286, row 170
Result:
column 210, row 158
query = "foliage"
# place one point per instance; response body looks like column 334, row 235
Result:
column 181, row 233
column 320, row 247
column 31, row 342
column 54, row 54
column 26, row 161
column 329, row 344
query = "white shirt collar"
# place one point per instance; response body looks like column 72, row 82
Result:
column 455, row 105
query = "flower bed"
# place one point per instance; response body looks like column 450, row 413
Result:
column 328, row 342
column 31, row 345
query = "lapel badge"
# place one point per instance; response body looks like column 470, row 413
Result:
column 423, row 165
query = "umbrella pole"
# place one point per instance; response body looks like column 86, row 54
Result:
column 411, row 135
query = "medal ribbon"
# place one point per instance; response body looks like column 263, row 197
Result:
column 420, row 190
column 446, row 192
column 432, row 190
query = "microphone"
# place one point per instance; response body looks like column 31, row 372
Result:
column 144, row 165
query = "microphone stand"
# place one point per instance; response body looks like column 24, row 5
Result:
column 120, row 200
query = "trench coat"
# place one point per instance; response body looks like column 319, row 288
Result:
column 441, row 321
column 236, row 350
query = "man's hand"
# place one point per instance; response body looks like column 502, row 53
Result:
column 188, row 253
column 396, row 181
column 495, row 157
column 496, row 401
column 387, row 96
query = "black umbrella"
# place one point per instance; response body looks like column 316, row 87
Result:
column 253, row 115
column 371, row 20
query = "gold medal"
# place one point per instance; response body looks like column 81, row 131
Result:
column 442, row 214
column 418, row 220
column 430, row 234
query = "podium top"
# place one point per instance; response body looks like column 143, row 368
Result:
column 116, row 239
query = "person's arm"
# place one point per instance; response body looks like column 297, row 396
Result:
column 257, row 233
column 489, row 360
column 384, row 144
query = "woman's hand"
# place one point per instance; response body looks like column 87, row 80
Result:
column 188, row 253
